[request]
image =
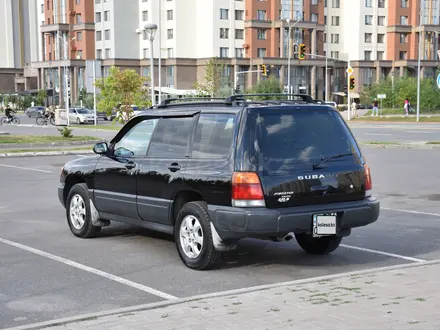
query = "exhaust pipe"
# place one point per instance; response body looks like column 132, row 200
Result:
column 288, row 237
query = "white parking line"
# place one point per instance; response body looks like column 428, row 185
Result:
column 26, row 168
column 421, row 132
column 410, row 211
column 382, row 253
column 385, row 134
column 85, row 268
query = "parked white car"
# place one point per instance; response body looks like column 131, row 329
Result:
column 81, row 116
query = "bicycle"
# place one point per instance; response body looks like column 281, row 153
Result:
column 13, row 120
column 44, row 119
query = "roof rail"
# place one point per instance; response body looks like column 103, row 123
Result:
column 167, row 102
column 285, row 97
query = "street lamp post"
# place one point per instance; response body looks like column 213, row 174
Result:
column 421, row 14
column 150, row 29
column 66, row 76
column 289, row 51
column 160, row 52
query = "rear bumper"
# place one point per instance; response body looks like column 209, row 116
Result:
column 235, row 223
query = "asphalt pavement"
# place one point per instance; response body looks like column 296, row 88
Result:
column 48, row 273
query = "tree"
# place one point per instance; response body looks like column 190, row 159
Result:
column 121, row 89
column 267, row 86
column 213, row 79
column 41, row 97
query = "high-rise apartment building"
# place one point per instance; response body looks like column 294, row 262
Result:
column 19, row 40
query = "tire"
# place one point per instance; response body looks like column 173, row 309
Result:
column 205, row 256
column 78, row 121
column 15, row 120
column 4, row 120
column 318, row 245
column 79, row 192
column 52, row 121
column 41, row 121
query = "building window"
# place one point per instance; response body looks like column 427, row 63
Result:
column 261, row 15
column 261, row 34
column 108, row 53
column 368, row 3
column 170, row 34
column 224, row 33
column 98, row 35
column 335, row 20
column 145, row 53
column 78, row 19
column 381, row 3
column 367, row 76
column 79, row 54
column 107, row 34
column 79, row 36
column 314, row 2
column 334, row 54
column 403, row 38
column 368, row 38
column 239, row 15
column 224, row 52
column 78, row 2
column 380, row 55
column 170, row 52
column 145, row 15
column 239, row 52
column 314, row 18
column 239, row 34
column 367, row 55
column 404, row 3
column 107, row 15
column 98, row 54
column 97, row 17
column 368, row 19
column 403, row 20
column 402, row 55
column 335, row 3
column 381, row 20
column 42, row 9
column 97, row 1
column 224, row 13
column 169, row 15
column 261, row 52
column 335, row 39
column 380, row 38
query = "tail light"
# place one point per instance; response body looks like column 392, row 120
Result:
column 247, row 190
column 368, row 182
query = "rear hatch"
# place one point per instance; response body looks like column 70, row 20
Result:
column 304, row 155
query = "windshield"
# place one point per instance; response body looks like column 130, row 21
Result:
column 280, row 138
column 84, row 111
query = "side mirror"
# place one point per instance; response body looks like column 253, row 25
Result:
column 100, row 148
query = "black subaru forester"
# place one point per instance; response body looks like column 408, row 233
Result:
column 214, row 171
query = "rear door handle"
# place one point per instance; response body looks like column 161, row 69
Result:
column 130, row 165
column 174, row 167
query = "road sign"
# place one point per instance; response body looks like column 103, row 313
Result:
column 381, row 96
column 349, row 70
column 438, row 81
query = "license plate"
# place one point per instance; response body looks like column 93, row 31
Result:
column 324, row 224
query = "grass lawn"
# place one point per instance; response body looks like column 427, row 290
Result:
column 43, row 139
column 16, row 151
column 408, row 119
column 111, row 127
column 400, row 111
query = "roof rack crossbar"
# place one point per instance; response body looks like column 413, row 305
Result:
column 241, row 97
column 166, row 102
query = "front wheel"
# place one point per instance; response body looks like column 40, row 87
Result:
column 318, row 245
column 15, row 120
column 79, row 213
column 52, row 120
column 193, row 237
column 78, row 121
column 41, row 121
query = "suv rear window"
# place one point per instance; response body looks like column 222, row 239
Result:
column 279, row 137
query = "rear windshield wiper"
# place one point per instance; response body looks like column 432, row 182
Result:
column 325, row 159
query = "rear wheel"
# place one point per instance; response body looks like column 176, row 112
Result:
column 193, row 237
column 318, row 245
column 4, row 120
column 78, row 212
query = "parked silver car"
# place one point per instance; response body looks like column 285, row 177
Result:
column 81, row 116
column 36, row 111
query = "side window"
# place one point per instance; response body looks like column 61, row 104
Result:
column 135, row 141
column 170, row 139
column 213, row 136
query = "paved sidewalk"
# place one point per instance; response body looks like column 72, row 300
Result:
column 405, row 298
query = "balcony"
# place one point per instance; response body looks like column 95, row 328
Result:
column 47, row 28
column 306, row 25
column 426, row 28
column 259, row 24
column 399, row 28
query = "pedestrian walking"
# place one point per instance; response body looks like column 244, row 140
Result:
column 406, row 106
column 375, row 108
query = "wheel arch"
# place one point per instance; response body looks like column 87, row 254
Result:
column 181, row 198
column 70, row 181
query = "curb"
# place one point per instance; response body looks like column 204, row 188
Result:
column 45, row 145
column 73, row 128
column 46, row 153
column 138, row 308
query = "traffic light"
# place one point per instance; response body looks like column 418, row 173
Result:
column 302, row 52
column 352, row 84
column 295, row 51
column 264, row 69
